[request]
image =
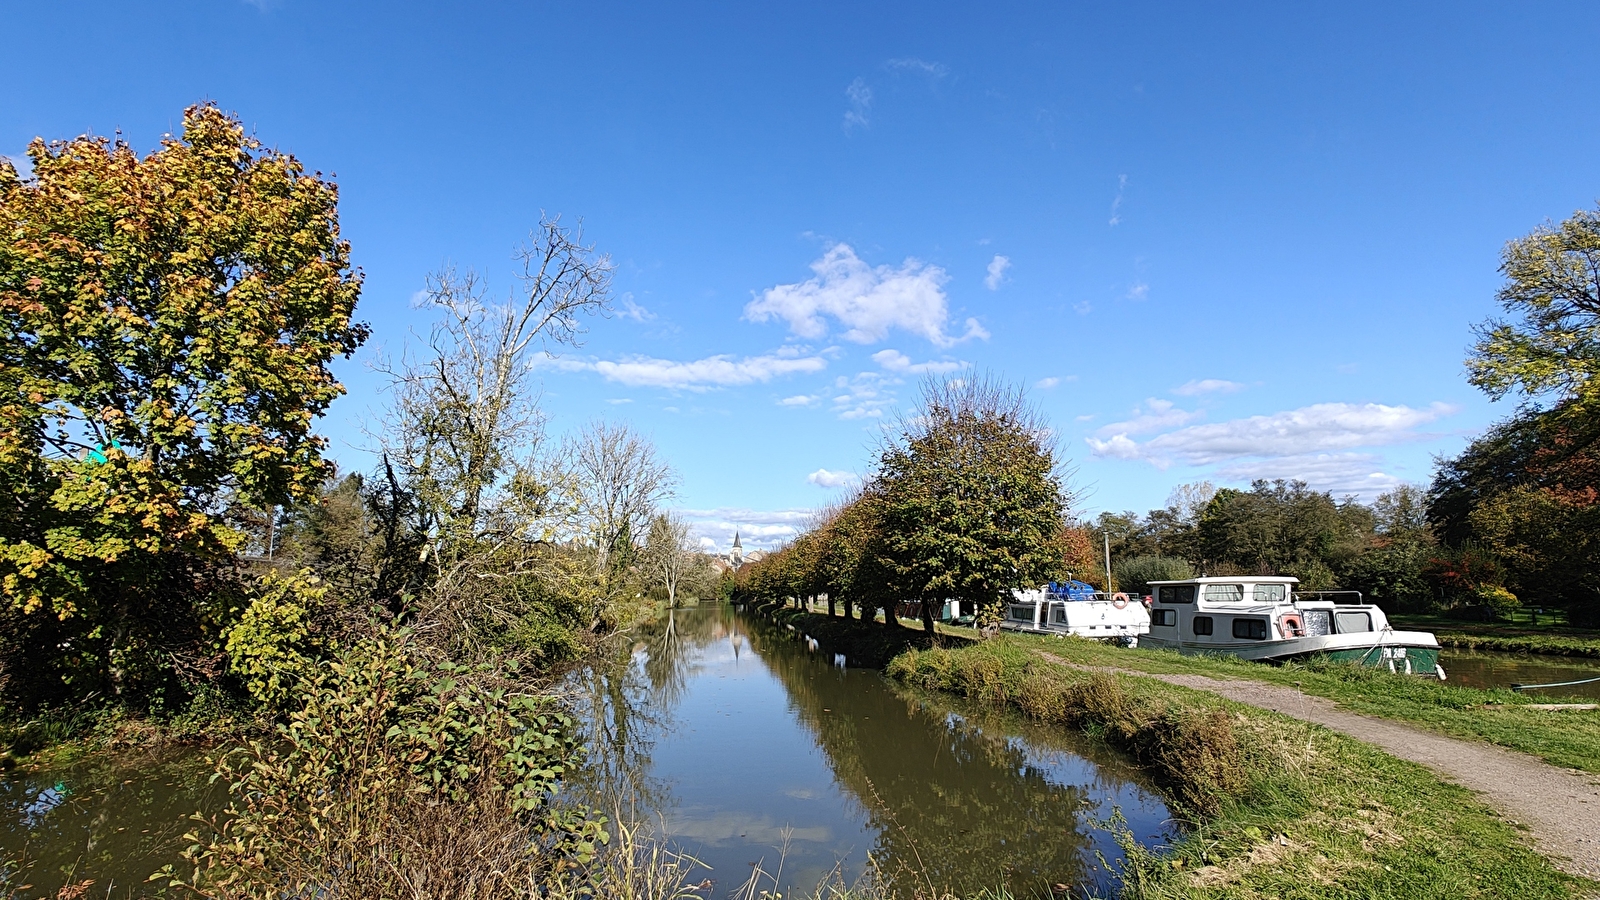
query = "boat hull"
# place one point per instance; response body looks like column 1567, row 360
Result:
column 1401, row 652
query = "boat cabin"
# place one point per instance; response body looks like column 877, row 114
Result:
column 1227, row 610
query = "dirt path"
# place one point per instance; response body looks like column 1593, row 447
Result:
column 1559, row 807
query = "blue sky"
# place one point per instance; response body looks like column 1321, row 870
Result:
column 1224, row 243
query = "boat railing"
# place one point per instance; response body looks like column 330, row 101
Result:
column 1334, row 595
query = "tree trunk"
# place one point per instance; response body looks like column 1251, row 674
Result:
column 830, row 605
column 890, row 620
column 927, row 615
column 849, row 604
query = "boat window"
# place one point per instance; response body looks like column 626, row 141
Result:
column 1201, row 624
column 1023, row 613
column 1163, row 617
column 1060, row 614
column 1224, row 593
column 1175, row 593
column 1317, row 621
column 1352, row 621
column 1269, row 593
column 1250, row 629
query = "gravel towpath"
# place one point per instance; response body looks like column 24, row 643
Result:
column 1559, row 807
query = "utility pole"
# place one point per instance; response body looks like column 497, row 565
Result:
column 1107, row 535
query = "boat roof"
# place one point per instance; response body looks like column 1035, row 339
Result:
column 1234, row 579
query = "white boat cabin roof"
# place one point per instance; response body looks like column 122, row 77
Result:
column 1233, row 579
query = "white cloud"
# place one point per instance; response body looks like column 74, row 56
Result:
column 694, row 375
column 917, row 67
column 1139, row 291
column 1082, row 308
column 1045, row 384
column 868, row 301
column 825, row 479
column 865, row 396
column 1310, row 430
column 1341, row 473
column 800, row 400
column 1154, row 414
column 1207, row 386
column 628, row 309
column 756, row 528
column 1116, row 205
column 997, row 272
column 620, row 401
column 895, row 361
column 860, row 109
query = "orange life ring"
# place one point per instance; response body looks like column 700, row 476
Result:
column 1119, row 600
column 1291, row 626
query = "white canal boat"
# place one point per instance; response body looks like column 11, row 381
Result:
column 1264, row 618
column 1078, row 609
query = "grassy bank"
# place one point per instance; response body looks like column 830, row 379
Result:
column 1279, row 808
column 1547, row 634
column 1500, row 716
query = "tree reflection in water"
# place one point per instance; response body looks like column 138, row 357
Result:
column 950, row 795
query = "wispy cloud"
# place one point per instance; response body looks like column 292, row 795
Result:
column 914, row 66
column 997, row 272
column 800, row 400
column 824, row 478
column 1207, row 386
column 868, row 301
column 1116, row 205
column 628, row 309
column 1083, row 307
column 1311, row 432
column 895, row 361
column 1138, row 291
column 1341, row 473
column 1154, row 414
column 860, row 112
column 1045, row 384
column 692, row 375
column 866, row 396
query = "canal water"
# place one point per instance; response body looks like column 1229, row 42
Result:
column 745, row 748
column 1488, row 668
column 733, row 742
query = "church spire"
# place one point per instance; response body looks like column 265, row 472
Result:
column 736, row 544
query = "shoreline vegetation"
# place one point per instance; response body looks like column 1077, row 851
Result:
column 1273, row 807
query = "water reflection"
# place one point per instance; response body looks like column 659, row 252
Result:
column 110, row 822
column 1487, row 668
column 745, row 742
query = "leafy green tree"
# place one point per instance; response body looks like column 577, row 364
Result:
column 1135, row 573
column 166, row 329
column 1553, row 288
column 972, row 497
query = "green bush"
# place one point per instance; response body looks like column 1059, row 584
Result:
column 397, row 777
column 271, row 647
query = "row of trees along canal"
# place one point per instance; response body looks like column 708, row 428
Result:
column 176, row 546
column 967, row 501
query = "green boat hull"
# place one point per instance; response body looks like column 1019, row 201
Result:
column 1400, row 660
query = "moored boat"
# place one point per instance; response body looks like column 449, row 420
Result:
column 1263, row 617
column 1076, row 608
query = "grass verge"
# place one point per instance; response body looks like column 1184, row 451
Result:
column 1278, row 807
column 1567, row 738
